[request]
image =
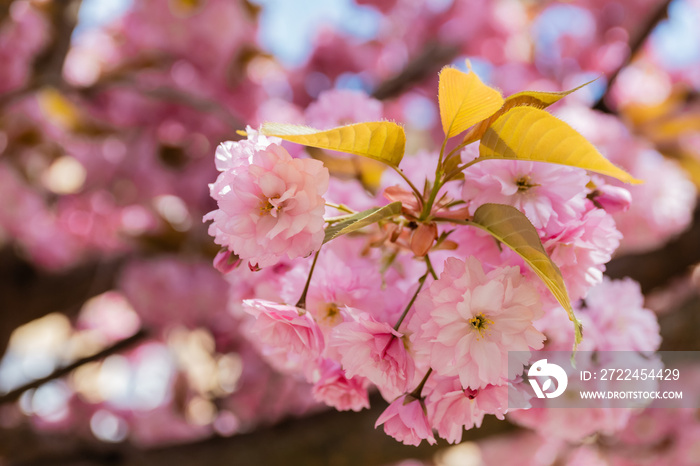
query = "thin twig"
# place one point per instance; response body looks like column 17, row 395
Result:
column 635, row 45
column 433, row 57
column 58, row 373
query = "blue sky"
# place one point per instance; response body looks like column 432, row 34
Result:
column 288, row 27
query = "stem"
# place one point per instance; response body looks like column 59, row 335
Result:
column 58, row 373
column 417, row 392
column 341, row 207
column 302, row 299
column 459, row 147
column 428, row 206
column 635, row 45
column 442, row 155
column 417, row 193
column 456, row 221
column 421, row 281
column 462, row 168
column 430, row 267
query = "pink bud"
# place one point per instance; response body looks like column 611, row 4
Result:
column 225, row 261
column 613, row 198
column 423, row 238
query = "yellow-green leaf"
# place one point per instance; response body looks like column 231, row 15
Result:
column 464, row 100
column 361, row 220
column 512, row 228
column 528, row 133
column 380, row 140
column 537, row 99
column 367, row 171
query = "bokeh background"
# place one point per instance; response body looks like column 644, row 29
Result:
column 116, row 339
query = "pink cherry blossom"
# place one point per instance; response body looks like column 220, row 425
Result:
column 270, row 205
column 374, row 350
column 621, row 323
column 545, row 193
column 405, row 420
column 343, row 282
column 582, row 249
column 335, row 389
column 233, row 154
column 452, row 408
column 287, row 335
column 466, row 322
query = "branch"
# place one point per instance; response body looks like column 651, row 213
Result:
column 48, row 66
column 433, row 57
column 58, row 373
column 27, row 293
column 635, row 45
column 656, row 268
column 329, row 437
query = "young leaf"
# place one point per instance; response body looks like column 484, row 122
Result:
column 512, row 228
column 528, row 133
column 380, row 140
column 464, row 100
column 361, row 220
column 535, row 99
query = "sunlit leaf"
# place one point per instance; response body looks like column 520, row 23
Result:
column 367, row 171
column 464, row 100
column 361, row 220
column 512, row 228
column 380, row 140
column 528, row 133
column 535, row 99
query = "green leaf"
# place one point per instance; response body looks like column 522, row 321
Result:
column 464, row 100
column 512, row 228
column 535, row 99
column 528, row 133
column 361, row 220
column 380, row 140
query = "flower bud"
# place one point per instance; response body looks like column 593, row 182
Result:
column 423, row 238
column 225, row 261
column 613, row 198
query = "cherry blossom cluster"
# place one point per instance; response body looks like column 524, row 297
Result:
column 425, row 312
column 418, row 307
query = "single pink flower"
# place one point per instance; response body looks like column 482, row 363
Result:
column 374, row 350
column 335, row 389
column 452, row 408
column 466, row 322
column 582, row 249
column 270, row 205
column 545, row 193
column 287, row 335
column 405, row 420
column 619, row 320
